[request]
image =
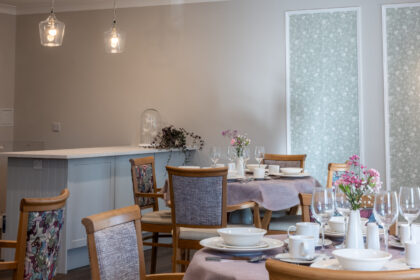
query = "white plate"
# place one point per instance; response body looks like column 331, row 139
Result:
column 300, row 175
column 286, row 257
column 251, row 172
column 329, row 232
column 215, row 244
column 396, row 264
column 261, row 244
column 327, row 242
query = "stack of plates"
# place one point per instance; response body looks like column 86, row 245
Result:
column 217, row 243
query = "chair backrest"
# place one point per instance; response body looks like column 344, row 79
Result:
column 38, row 240
column 278, row 270
column 334, row 170
column 144, row 182
column 198, row 196
column 305, row 203
column 285, row 160
column 115, row 244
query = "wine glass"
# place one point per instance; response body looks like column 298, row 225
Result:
column 322, row 207
column 410, row 204
column 246, row 154
column 385, row 210
column 343, row 207
column 214, row 155
column 259, row 154
column 231, row 153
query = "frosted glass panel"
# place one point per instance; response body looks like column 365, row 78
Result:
column 323, row 87
column 402, row 41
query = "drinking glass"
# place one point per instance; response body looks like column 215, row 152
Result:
column 259, row 154
column 231, row 153
column 247, row 155
column 214, row 155
column 410, row 204
column 343, row 207
column 322, row 207
column 385, row 210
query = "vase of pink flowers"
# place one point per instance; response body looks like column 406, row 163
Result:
column 238, row 142
column 355, row 183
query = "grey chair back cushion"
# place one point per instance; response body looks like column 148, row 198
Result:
column 118, row 252
column 283, row 163
column 198, row 200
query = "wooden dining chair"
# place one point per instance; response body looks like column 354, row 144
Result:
column 334, row 172
column 199, row 208
column 279, row 270
column 146, row 196
column 115, row 246
column 279, row 221
column 38, row 238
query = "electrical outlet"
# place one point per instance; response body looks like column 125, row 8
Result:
column 56, row 127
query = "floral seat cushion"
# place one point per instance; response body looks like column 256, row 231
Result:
column 43, row 242
column 144, row 175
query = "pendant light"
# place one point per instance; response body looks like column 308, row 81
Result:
column 51, row 30
column 114, row 39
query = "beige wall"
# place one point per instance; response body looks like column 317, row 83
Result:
column 7, row 90
column 205, row 67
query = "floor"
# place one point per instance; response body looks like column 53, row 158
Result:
column 83, row 273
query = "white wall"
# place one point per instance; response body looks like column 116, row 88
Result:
column 206, row 67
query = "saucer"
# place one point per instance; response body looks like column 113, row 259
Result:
column 215, row 244
column 286, row 257
column 327, row 242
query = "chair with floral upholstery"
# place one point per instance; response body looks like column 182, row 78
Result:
column 115, row 246
column 279, row 221
column 146, row 196
column 199, row 208
column 38, row 241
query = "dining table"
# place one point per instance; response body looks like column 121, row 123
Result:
column 232, row 269
column 273, row 193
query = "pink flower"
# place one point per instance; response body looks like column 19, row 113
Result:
column 232, row 142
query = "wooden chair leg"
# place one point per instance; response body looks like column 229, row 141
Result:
column 155, row 239
column 183, row 257
column 175, row 250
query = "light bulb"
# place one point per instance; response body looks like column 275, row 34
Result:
column 52, row 31
column 114, row 41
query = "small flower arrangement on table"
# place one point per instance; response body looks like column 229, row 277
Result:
column 358, row 181
column 238, row 141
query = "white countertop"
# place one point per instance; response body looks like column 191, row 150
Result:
column 84, row 152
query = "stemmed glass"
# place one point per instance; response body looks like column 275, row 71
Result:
column 231, row 153
column 385, row 210
column 259, row 154
column 322, row 207
column 246, row 155
column 215, row 155
column 410, row 204
column 343, row 207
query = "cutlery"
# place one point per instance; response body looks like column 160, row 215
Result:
column 256, row 259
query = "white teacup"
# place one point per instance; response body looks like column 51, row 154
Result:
column 231, row 166
column 301, row 246
column 273, row 169
column 412, row 254
column 336, row 224
column 404, row 233
column 259, row 173
column 305, row 228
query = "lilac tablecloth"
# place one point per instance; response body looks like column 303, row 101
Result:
column 201, row 269
column 274, row 195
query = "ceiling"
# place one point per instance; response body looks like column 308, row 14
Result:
column 39, row 6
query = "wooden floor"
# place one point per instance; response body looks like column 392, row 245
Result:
column 83, row 273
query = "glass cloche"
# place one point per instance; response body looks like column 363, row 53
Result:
column 150, row 126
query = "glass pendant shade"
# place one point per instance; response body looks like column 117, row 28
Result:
column 51, row 31
column 114, row 40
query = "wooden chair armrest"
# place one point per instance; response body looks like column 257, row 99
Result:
column 165, row 276
column 156, row 195
column 8, row 244
column 244, row 205
column 159, row 190
column 8, row 265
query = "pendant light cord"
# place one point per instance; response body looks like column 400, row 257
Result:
column 52, row 6
column 115, row 12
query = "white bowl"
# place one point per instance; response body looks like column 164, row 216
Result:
column 241, row 236
column 361, row 259
column 337, row 224
column 189, row 167
column 251, row 167
column 291, row 170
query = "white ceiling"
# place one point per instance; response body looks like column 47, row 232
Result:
column 39, row 6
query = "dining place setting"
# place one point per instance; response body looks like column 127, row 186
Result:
column 353, row 226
